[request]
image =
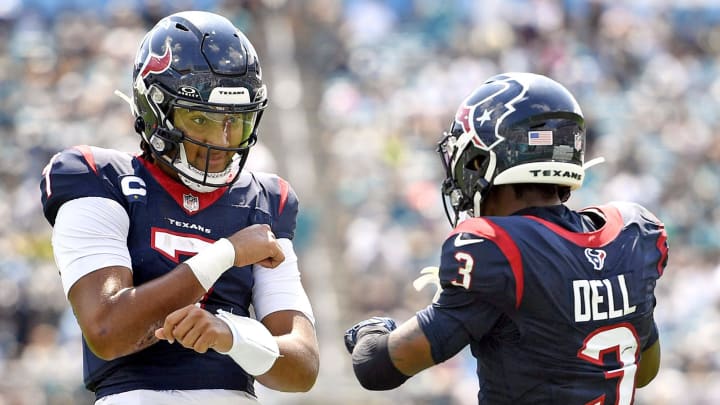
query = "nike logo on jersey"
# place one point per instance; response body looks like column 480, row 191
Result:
column 459, row 241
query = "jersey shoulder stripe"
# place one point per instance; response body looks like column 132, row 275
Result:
column 284, row 187
column 88, row 155
column 82, row 171
column 614, row 224
column 490, row 230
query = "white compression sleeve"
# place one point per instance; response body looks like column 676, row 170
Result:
column 212, row 261
column 254, row 348
column 280, row 288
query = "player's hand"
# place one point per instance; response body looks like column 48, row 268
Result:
column 197, row 329
column 376, row 324
column 256, row 244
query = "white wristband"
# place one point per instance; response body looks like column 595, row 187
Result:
column 254, row 348
column 211, row 262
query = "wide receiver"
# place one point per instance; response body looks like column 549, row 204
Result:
column 556, row 305
column 179, row 265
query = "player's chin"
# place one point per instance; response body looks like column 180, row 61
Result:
column 214, row 166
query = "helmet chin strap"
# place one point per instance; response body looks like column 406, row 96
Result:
column 477, row 199
column 484, row 183
column 128, row 100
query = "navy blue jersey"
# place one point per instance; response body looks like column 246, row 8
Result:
column 168, row 224
column 556, row 305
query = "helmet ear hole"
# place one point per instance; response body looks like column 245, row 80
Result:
column 476, row 164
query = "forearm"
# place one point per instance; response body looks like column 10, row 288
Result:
column 373, row 364
column 649, row 365
column 297, row 368
column 125, row 319
column 385, row 356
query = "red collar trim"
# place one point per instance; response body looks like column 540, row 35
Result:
column 189, row 200
column 614, row 223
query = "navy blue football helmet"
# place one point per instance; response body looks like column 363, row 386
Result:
column 514, row 128
column 197, row 61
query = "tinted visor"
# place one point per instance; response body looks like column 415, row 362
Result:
column 207, row 123
column 558, row 140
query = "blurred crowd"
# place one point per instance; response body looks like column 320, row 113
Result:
column 361, row 91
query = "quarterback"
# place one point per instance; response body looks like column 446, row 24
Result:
column 178, row 264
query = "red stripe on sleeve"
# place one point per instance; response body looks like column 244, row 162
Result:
column 661, row 243
column 663, row 248
column 492, row 231
column 88, row 155
column 284, row 189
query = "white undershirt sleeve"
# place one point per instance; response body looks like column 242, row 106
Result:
column 90, row 233
column 280, row 288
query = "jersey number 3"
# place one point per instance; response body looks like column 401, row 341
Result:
column 620, row 339
column 465, row 270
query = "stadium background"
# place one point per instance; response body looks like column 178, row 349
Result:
column 360, row 92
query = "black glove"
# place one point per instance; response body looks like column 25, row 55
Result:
column 376, row 324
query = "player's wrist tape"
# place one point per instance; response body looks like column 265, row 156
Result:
column 253, row 348
column 211, row 262
column 372, row 364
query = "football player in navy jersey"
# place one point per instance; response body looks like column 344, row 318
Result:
column 179, row 265
column 556, row 304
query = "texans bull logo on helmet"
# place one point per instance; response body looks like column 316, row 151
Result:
column 156, row 63
column 483, row 109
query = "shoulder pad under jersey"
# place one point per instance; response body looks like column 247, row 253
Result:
column 82, row 171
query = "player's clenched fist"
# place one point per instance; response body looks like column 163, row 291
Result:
column 374, row 325
column 197, row 329
column 245, row 340
column 256, row 244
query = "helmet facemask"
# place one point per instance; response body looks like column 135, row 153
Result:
column 469, row 175
column 166, row 139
